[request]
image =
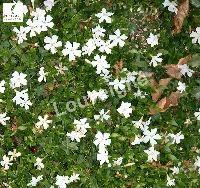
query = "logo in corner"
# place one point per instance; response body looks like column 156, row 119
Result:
column 14, row 12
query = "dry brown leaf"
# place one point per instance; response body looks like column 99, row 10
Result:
column 174, row 98
column 118, row 66
column 185, row 60
column 164, row 82
column 173, row 71
column 179, row 18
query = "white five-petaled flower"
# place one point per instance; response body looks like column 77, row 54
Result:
column 125, row 109
column 35, row 180
column 102, row 157
column 18, row 80
column 2, row 86
column 94, row 95
column 175, row 170
column 170, row 181
column 171, row 6
column 102, row 140
column 104, row 15
column 52, row 43
column 6, row 162
column 3, row 118
column 152, row 154
column 39, row 163
column 152, row 40
column 197, row 115
column 98, row 32
column 151, row 136
column 197, row 164
column 118, row 38
column 176, row 138
column 184, row 69
column 118, row 84
column 196, row 36
column 21, row 33
column 71, row 50
column 62, row 181
column 14, row 154
column 156, row 59
column 138, row 140
column 43, row 122
column 118, row 162
column 101, row 64
column 42, row 75
column 181, row 87
column 49, row 4
column 102, row 115
column 89, row 47
column 106, row 46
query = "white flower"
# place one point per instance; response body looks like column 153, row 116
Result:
column 81, row 124
column 102, row 95
column 42, row 75
column 106, row 46
column 118, row 84
column 52, row 43
column 131, row 77
column 104, row 15
column 14, row 154
column 98, row 31
column 152, row 154
column 20, row 7
column 196, row 114
column 6, row 162
column 170, row 182
column 118, row 162
column 21, row 33
column 35, row 180
column 18, row 80
column 21, row 98
column 175, row 170
column 89, row 47
column 142, row 125
column 39, row 163
column 3, row 118
column 118, row 38
column 102, row 140
column 101, row 64
column 103, row 115
column 152, row 40
column 2, row 86
column 171, row 6
column 181, row 86
column 93, row 95
column 49, row 4
column 140, row 94
column 125, row 109
column 151, row 136
column 102, row 157
column 176, row 138
column 196, row 36
column 62, row 181
column 75, row 135
column 72, row 50
column 43, row 122
column 74, row 177
column 61, row 69
column 138, row 140
column 197, row 163
column 184, row 69
column 156, row 59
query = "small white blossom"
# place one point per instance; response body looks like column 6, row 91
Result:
column 138, row 140
column 102, row 140
column 52, row 43
column 152, row 40
column 176, row 138
column 175, row 170
column 98, row 31
column 39, row 163
column 43, row 122
column 197, row 164
column 171, row 6
column 6, row 162
column 170, row 181
column 152, row 154
column 21, row 33
column 42, row 75
column 34, row 181
column 104, row 15
column 151, row 136
column 125, row 109
column 62, row 181
column 2, row 86
column 102, row 157
column 14, row 154
column 156, row 59
column 102, row 115
column 184, row 69
column 118, row 162
column 18, row 80
column 49, row 4
column 89, row 47
column 197, row 115
column 181, row 87
column 118, row 84
column 71, row 50
column 196, row 36
column 118, row 38
column 3, row 118
column 106, row 46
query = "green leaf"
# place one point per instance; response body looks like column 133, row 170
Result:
column 195, row 62
column 196, row 3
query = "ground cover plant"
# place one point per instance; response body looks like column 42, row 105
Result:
column 100, row 93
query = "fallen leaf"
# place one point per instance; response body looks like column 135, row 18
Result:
column 173, row 71
column 118, row 66
column 179, row 18
column 174, row 98
column 185, row 60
